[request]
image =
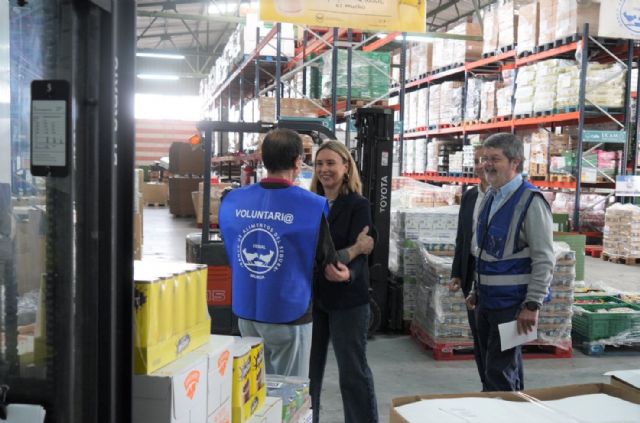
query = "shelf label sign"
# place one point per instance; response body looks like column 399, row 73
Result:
column 620, row 21
column 628, row 185
column 374, row 15
column 612, row 137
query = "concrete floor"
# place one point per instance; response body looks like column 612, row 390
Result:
column 400, row 365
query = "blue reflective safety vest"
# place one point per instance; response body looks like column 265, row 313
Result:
column 271, row 236
column 504, row 265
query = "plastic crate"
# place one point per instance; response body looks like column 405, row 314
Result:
column 597, row 300
column 591, row 325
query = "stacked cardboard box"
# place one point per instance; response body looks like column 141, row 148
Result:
column 547, row 73
column 525, row 90
column 462, row 51
column 528, row 24
column 473, row 102
column 420, row 157
column 622, row 230
column 573, row 14
column 294, row 394
column 408, row 156
column 554, row 324
column 490, row 30
column 605, row 85
column 434, row 104
column 538, row 155
column 507, row 23
column 418, row 60
column 298, row 107
column 451, row 96
column 441, row 313
column 488, row 101
column 180, row 189
column 547, row 28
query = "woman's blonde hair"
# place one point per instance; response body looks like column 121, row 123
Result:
column 351, row 181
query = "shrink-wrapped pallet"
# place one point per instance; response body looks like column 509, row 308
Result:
column 488, row 101
column 451, row 102
column 547, row 28
column 490, row 30
column 474, row 93
column 528, row 24
column 622, row 231
column 525, row 90
column 434, row 104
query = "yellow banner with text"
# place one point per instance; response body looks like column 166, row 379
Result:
column 372, row 15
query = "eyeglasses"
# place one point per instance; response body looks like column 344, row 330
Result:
column 492, row 160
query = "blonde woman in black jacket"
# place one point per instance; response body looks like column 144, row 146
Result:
column 341, row 310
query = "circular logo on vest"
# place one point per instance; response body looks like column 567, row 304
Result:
column 629, row 15
column 259, row 249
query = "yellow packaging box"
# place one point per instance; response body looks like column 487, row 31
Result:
column 241, row 383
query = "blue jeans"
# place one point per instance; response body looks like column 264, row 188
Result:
column 503, row 370
column 347, row 329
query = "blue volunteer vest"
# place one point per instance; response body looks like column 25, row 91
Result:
column 504, row 265
column 271, row 237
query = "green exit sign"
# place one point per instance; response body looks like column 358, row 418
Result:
column 613, row 137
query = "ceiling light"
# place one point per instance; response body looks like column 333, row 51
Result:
column 161, row 55
column 158, row 77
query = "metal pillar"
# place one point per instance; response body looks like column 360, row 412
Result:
column 278, row 70
column 334, row 79
column 347, row 139
column 581, row 105
column 403, row 65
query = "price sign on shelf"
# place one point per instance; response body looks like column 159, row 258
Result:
column 628, row 186
column 611, row 137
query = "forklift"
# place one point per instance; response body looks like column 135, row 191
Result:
column 374, row 157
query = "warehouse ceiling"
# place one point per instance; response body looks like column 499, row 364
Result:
column 199, row 30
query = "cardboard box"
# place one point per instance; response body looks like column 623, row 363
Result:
column 547, row 29
column 214, row 201
column 528, row 24
column 241, row 383
column 545, row 394
column 222, row 414
column 257, row 376
column 571, row 17
column 186, row 159
column 219, row 372
column 137, row 236
column 625, row 379
column 176, row 393
column 490, row 30
column 507, row 23
column 180, row 190
column 271, row 412
column 155, row 193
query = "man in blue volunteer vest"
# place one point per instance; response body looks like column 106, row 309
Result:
column 276, row 235
column 515, row 259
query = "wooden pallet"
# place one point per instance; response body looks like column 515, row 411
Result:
column 155, row 204
column 628, row 260
column 501, row 118
column 526, row 53
column 507, row 48
column 463, row 350
column 554, row 177
column 596, row 348
column 538, row 177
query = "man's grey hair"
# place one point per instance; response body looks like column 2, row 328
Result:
column 510, row 145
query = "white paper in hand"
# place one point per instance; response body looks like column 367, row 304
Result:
column 24, row 413
column 510, row 338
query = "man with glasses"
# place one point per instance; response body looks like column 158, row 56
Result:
column 276, row 235
column 462, row 270
column 515, row 260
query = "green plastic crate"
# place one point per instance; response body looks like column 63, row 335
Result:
column 606, row 299
column 591, row 325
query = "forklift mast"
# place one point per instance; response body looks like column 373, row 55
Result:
column 374, row 157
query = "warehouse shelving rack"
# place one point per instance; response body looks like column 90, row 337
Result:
column 585, row 112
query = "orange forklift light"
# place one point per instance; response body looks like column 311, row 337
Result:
column 195, row 139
